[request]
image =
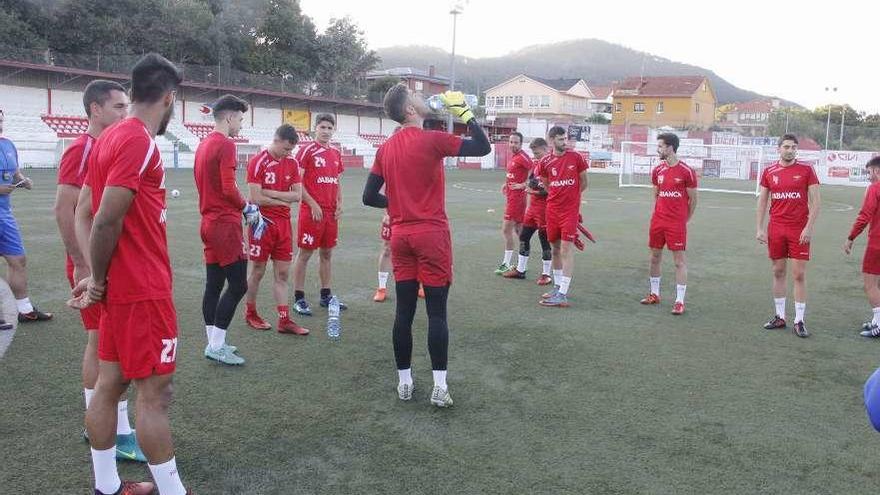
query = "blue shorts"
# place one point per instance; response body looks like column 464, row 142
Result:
column 10, row 237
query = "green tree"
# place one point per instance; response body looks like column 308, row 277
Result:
column 377, row 89
column 343, row 58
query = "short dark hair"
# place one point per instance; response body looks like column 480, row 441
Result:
column 537, row 143
column 787, row 137
column 555, row 131
column 669, row 139
column 286, row 132
column 153, row 76
column 395, row 102
column 325, row 117
column 98, row 91
column 873, row 162
column 228, row 103
column 517, row 134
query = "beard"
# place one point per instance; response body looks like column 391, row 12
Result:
column 163, row 126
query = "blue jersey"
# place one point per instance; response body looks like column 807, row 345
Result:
column 8, row 167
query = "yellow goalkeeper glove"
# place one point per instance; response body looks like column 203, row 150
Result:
column 455, row 104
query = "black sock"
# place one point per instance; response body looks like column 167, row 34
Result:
column 299, row 295
column 325, row 293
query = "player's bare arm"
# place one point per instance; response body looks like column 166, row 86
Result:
column 692, row 201
column 105, row 234
column 813, row 202
column 584, row 181
column 83, row 219
column 317, row 214
column 339, row 199
column 761, row 229
column 66, row 199
column 263, row 197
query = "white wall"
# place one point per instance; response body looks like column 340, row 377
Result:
column 269, row 118
column 347, row 124
column 370, row 125
column 17, row 99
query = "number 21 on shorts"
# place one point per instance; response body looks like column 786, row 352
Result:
column 169, row 350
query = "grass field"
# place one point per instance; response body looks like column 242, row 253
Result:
column 605, row 397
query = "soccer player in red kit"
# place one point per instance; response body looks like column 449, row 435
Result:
column 534, row 221
column 518, row 168
column 675, row 200
column 106, row 103
column 869, row 216
column 410, row 165
column 222, row 207
column 319, row 212
column 564, row 173
column 792, row 190
column 131, row 274
column 274, row 185
column 385, row 262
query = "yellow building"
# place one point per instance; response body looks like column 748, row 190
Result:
column 682, row 102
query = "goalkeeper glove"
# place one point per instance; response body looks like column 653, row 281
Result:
column 456, row 105
column 251, row 213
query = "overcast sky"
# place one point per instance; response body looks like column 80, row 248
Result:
column 771, row 47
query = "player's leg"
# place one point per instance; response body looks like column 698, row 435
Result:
column 525, row 245
column 325, row 274
column 564, row 252
column 300, row 305
column 235, row 276
column 508, row 232
column 799, row 278
column 384, row 271
column 251, row 315
column 17, row 279
column 281, row 272
column 154, row 398
column 872, row 291
column 654, row 262
column 401, row 334
column 680, row 259
column 438, row 342
column 214, row 281
column 546, row 258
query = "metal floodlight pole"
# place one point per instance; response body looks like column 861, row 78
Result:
column 828, row 123
column 456, row 10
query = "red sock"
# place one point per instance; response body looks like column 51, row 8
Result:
column 283, row 313
column 251, row 308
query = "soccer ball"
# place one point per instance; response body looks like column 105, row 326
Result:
column 175, row 193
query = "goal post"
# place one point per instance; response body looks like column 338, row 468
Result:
column 720, row 168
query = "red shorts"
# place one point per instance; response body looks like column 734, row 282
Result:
column 140, row 336
column 276, row 242
column 871, row 261
column 90, row 316
column 224, row 243
column 664, row 235
column 783, row 241
column 313, row 235
column 425, row 256
column 536, row 216
column 516, row 206
column 385, row 231
column 562, row 227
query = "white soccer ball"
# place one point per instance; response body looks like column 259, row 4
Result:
column 175, row 193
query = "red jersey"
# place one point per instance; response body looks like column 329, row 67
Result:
column 273, row 174
column 868, row 215
column 518, row 168
column 538, row 201
column 215, row 165
column 127, row 156
column 563, row 173
column 321, row 167
column 74, row 162
column 672, row 205
column 411, row 162
column 789, row 187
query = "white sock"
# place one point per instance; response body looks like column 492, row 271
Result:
column 522, row 264
column 383, row 280
column 679, row 292
column 88, row 393
column 563, row 284
column 799, row 310
column 24, row 305
column 655, row 285
column 122, row 426
column 547, row 269
column 166, row 478
column 405, row 376
column 780, row 306
column 218, row 338
column 440, row 379
column 876, row 319
column 209, row 332
column 104, row 466
column 557, row 274
column 508, row 255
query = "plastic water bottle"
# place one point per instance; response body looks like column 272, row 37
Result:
column 334, row 325
column 436, row 104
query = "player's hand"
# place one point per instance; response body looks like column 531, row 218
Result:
column 761, row 236
column 504, row 189
column 517, row 187
column 6, row 189
column 87, row 292
column 456, row 105
column 806, row 235
column 259, row 227
column 80, row 272
column 26, row 183
column 386, row 218
column 317, row 214
column 847, row 246
column 338, row 212
column 251, row 213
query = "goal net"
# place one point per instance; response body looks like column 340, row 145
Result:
column 720, row 168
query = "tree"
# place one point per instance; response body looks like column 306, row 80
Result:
column 343, row 58
column 377, row 89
